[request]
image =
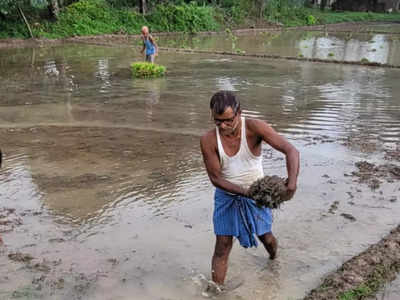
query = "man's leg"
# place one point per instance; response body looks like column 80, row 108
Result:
column 223, row 246
column 270, row 243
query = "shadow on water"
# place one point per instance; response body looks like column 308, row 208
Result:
column 112, row 166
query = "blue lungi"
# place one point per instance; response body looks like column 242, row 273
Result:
column 240, row 217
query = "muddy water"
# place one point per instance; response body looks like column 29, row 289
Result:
column 343, row 46
column 107, row 179
column 390, row 292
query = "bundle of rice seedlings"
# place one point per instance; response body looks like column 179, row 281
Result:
column 147, row 70
column 269, row 191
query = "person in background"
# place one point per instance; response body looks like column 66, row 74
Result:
column 149, row 45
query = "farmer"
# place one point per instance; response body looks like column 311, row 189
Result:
column 233, row 159
column 149, row 44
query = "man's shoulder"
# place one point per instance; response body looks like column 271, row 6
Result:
column 209, row 137
column 210, row 134
column 255, row 124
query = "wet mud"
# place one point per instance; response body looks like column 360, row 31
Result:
column 372, row 174
column 9, row 219
column 269, row 191
column 69, row 170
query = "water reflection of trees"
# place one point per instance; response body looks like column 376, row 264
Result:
column 93, row 171
column 350, row 103
column 348, row 47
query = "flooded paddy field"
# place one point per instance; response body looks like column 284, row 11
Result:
column 340, row 46
column 103, row 190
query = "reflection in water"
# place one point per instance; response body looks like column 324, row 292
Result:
column 103, row 74
column 16, row 182
column 341, row 102
column 380, row 48
column 50, row 68
column 331, row 47
column 151, row 90
column 226, row 83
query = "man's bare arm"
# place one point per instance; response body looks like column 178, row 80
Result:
column 278, row 142
column 213, row 167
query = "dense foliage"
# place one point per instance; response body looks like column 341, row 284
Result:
column 63, row 18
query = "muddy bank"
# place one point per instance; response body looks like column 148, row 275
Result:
column 364, row 274
column 269, row 56
column 372, row 175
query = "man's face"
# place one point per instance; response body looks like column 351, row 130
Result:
column 145, row 31
column 227, row 122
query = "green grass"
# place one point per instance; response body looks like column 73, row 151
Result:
column 357, row 293
column 308, row 16
column 330, row 17
column 370, row 287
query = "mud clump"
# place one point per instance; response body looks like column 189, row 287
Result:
column 8, row 219
column 348, row 217
column 20, row 257
column 270, row 191
column 371, row 174
column 393, row 154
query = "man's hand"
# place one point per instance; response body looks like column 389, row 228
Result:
column 291, row 187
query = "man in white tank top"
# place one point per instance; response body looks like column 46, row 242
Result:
column 232, row 156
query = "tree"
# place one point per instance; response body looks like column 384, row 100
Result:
column 323, row 4
column 12, row 7
column 54, row 8
column 142, row 6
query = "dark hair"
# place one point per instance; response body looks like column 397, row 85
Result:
column 221, row 100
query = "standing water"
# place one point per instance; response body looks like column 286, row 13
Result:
column 110, row 194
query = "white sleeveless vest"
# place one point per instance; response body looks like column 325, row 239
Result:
column 244, row 167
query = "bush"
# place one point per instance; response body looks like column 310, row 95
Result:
column 311, row 20
column 289, row 12
column 184, row 17
column 89, row 17
column 147, row 70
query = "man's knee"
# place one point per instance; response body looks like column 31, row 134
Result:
column 267, row 238
column 223, row 246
